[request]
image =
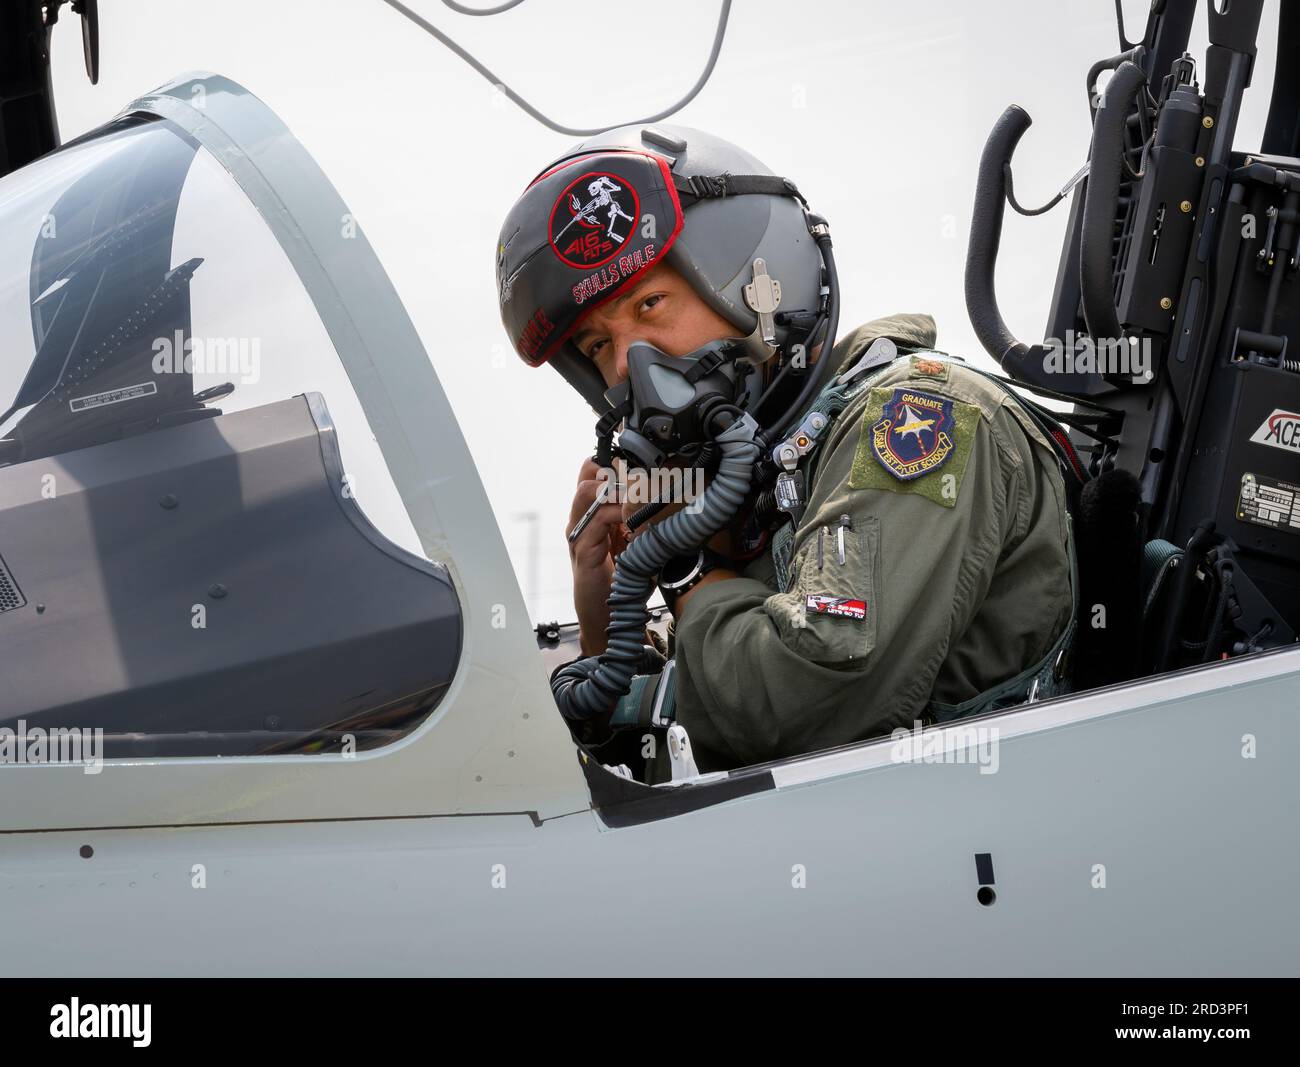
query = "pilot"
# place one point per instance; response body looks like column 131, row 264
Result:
column 924, row 568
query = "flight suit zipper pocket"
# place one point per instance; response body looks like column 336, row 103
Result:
column 828, row 613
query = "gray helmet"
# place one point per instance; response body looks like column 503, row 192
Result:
column 625, row 200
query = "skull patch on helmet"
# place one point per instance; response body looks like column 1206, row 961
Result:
column 593, row 219
column 606, row 218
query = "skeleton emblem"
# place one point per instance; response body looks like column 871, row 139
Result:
column 600, row 191
column 593, row 218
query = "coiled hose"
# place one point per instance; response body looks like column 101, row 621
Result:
column 592, row 686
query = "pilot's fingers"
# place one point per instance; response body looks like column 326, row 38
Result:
column 589, row 469
column 596, row 519
column 591, row 547
column 583, row 498
column 618, row 539
column 615, row 472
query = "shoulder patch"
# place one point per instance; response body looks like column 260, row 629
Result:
column 929, row 367
column 914, row 434
column 908, row 441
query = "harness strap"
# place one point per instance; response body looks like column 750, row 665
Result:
column 831, row 402
column 1159, row 558
column 715, row 186
column 652, row 701
column 1046, row 421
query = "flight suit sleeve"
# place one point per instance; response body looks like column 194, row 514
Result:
column 887, row 571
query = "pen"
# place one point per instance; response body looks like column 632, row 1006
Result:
column 590, row 513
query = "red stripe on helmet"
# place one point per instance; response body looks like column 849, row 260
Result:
column 666, row 170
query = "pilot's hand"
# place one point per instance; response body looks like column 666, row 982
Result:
column 591, row 556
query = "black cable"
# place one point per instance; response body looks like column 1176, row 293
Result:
column 645, row 514
column 573, row 131
column 707, row 464
column 1020, row 209
column 1077, row 401
column 1015, row 204
column 809, row 343
column 824, row 367
column 1148, row 139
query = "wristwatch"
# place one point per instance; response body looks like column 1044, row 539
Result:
column 684, row 572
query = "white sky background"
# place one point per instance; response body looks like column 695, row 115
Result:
column 877, row 110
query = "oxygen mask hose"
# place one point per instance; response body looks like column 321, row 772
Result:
column 592, row 686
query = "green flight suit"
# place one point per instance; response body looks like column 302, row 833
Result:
column 952, row 582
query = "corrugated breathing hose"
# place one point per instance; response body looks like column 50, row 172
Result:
column 592, row 686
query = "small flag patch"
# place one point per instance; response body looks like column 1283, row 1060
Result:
column 843, row 606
